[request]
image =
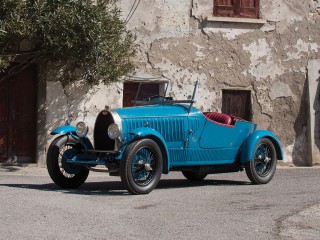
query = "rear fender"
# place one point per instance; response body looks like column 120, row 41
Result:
column 250, row 143
column 156, row 136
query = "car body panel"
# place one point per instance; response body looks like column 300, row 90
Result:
column 153, row 134
column 157, row 117
column 188, row 139
column 63, row 130
column 225, row 136
column 250, row 144
column 128, row 141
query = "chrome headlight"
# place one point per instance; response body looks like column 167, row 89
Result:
column 82, row 129
column 113, row 131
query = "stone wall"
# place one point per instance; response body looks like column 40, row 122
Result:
column 179, row 40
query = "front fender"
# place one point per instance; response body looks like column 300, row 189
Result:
column 250, row 143
column 63, row 130
column 157, row 137
column 70, row 130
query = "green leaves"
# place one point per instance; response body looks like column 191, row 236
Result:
column 91, row 36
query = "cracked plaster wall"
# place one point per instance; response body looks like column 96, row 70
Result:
column 75, row 102
column 175, row 40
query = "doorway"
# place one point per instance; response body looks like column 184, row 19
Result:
column 18, row 101
column 237, row 103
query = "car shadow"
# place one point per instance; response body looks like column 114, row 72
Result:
column 115, row 187
column 183, row 183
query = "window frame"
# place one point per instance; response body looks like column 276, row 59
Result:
column 236, row 10
column 237, row 102
column 147, row 88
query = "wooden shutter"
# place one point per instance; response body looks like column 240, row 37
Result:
column 236, row 8
column 237, row 103
column 248, row 8
column 224, row 8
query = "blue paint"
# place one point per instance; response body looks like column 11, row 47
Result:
column 153, row 134
column 186, row 139
column 63, row 130
column 251, row 142
column 189, row 140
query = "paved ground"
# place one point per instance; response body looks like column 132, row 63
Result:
column 224, row 206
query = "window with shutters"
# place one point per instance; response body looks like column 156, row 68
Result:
column 236, row 8
column 237, row 103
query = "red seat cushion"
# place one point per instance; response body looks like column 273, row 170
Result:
column 219, row 117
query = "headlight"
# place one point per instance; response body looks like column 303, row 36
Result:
column 113, row 131
column 82, row 129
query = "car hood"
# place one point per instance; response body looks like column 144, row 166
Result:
column 161, row 110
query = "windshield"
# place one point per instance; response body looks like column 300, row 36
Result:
column 142, row 98
column 150, row 91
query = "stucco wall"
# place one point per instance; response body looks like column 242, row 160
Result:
column 175, row 39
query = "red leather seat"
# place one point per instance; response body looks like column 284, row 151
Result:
column 218, row 117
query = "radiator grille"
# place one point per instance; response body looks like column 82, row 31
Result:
column 100, row 134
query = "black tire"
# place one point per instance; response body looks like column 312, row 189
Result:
column 63, row 174
column 194, row 176
column 263, row 164
column 141, row 166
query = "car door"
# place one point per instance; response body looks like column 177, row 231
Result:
column 212, row 143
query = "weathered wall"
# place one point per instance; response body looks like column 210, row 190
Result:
column 175, row 39
column 313, row 130
column 77, row 101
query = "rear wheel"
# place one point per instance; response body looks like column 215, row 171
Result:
column 263, row 164
column 194, row 176
column 141, row 166
column 62, row 173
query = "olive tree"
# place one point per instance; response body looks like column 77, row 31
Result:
column 88, row 35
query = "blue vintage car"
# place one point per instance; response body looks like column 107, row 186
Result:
column 157, row 136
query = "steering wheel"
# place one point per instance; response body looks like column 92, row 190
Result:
column 155, row 98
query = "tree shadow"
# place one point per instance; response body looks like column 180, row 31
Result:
column 7, row 167
column 115, row 188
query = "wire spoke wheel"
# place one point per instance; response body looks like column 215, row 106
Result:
column 144, row 166
column 262, row 160
column 141, row 166
column 62, row 161
column 62, row 173
column 263, row 164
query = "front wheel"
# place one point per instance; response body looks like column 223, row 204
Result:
column 61, row 172
column 141, row 166
column 263, row 164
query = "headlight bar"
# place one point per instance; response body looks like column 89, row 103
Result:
column 113, row 131
column 82, row 129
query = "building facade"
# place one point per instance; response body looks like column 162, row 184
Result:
column 253, row 58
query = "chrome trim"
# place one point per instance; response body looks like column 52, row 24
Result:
column 117, row 120
column 81, row 130
column 113, row 129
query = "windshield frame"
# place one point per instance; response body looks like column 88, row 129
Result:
column 164, row 99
